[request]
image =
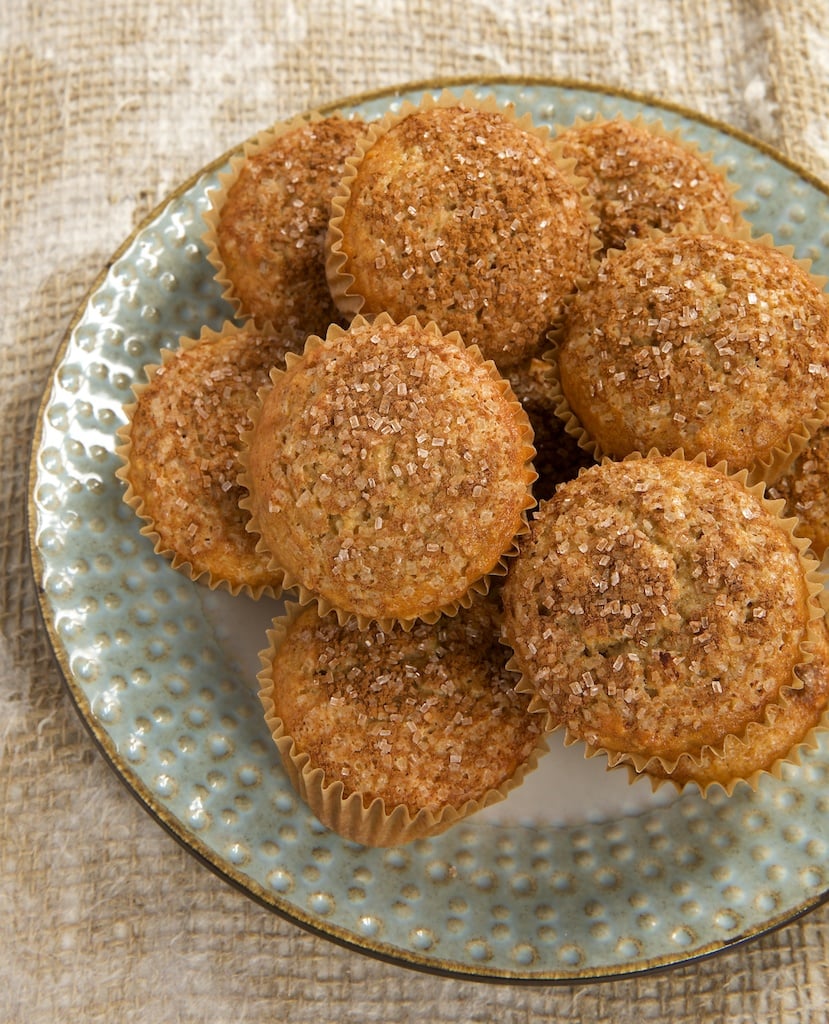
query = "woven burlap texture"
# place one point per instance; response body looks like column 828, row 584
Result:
column 104, row 110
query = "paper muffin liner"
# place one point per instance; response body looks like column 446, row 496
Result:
column 481, row 585
column 341, row 282
column 268, row 582
column 260, row 143
column 658, row 770
column 657, row 128
column 766, row 469
column 356, row 817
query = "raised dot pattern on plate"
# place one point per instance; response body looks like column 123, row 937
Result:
column 154, row 671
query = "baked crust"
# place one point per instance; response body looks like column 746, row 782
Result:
column 791, row 726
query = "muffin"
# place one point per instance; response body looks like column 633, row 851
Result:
column 180, row 450
column 267, row 223
column 709, row 343
column 389, row 471
column 642, row 178
column 805, row 489
column 392, row 735
column 558, row 455
column 658, row 607
column 458, row 213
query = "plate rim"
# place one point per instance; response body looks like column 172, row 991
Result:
column 383, row 951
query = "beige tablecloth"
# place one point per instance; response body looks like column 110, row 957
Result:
column 104, row 108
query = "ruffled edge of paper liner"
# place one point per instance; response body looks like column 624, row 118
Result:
column 480, row 585
column 226, row 180
column 766, row 469
column 341, row 282
column 638, row 764
column 179, row 560
column 657, row 128
column 367, row 822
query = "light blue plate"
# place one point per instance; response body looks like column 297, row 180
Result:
column 577, row 875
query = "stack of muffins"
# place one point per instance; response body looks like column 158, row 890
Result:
column 446, row 318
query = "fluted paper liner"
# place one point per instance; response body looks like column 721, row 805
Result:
column 262, row 580
column 692, row 766
column 764, row 469
column 352, row 815
column 452, row 602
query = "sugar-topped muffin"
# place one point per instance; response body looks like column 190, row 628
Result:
column 643, row 178
column 713, row 344
column 391, row 735
column 267, row 224
column 389, row 470
column 459, row 213
column 657, row 607
column 180, row 449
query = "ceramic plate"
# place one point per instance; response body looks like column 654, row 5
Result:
column 577, row 875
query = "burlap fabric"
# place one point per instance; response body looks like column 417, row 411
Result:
column 103, row 110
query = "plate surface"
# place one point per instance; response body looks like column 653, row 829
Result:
column 577, row 875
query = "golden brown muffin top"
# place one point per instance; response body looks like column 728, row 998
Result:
column 642, row 179
column 805, row 489
column 182, row 452
column 427, row 718
column 389, row 469
column 713, row 344
column 657, row 607
column 462, row 216
column 271, row 227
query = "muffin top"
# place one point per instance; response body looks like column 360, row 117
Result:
column 713, row 344
column 389, row 469
column 804, row 486
column 465, row 217
column 270, row 228
column 427, row 718
column 181, row 448
column 642, row 179
column 657, row 607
